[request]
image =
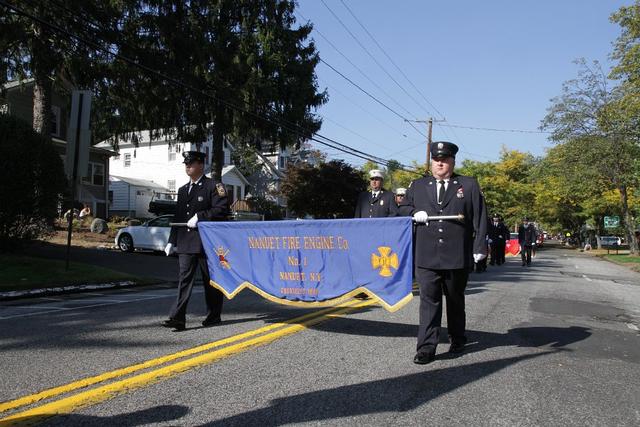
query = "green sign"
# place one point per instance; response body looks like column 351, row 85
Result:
column 611, row 221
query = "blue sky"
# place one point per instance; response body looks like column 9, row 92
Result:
column 490, row 64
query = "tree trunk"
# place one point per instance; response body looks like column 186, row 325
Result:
column 218, row 134
column 42, row 105
column 629, row 223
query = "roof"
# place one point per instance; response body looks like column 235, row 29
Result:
column 92, row 148
column 232, row 169
column 140, row 182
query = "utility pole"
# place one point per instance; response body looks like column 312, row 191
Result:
column 429, row 123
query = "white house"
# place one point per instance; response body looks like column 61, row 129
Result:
column 130, row 197
column 159, row 165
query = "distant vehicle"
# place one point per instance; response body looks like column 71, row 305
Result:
column 153, row 235
column 610, row 241
column 540, row 240
column 163, row 203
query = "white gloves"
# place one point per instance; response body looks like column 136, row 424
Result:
column 193, row 222
column 169, row 249
column 421, row 217
column 478, row 257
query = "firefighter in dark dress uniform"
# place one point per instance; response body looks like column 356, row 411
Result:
column 201, row 199
column 499, row 234
column 377, row 202
column 445, row 249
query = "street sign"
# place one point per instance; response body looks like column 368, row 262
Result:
column 611, row 221
column 78, row 134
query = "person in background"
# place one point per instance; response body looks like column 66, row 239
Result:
column 400, row 193
column 376, row 202
column 527, row 240
column 498, row 235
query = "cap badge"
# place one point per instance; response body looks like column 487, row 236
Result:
column 440, row 145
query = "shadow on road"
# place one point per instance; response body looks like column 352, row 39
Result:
column 399, row 394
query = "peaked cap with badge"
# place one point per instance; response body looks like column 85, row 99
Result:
column 443, row 149
column 193, row 156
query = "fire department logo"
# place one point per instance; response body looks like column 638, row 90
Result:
column 222, row 257
column 385, row 261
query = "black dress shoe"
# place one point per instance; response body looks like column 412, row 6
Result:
column 176, row 324
column 211, row 321
column 424, row 358
column 456, row 348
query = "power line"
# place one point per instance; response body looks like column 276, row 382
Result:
column 340, row 146
column 495, row 129
column 372, row 56
column 354, row 65
column 390, row 59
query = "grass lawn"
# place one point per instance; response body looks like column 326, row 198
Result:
column 23, row 272
column 632, row 262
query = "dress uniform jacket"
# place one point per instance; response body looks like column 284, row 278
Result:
column 447, row 244
column 206, row 199
column 383, row 205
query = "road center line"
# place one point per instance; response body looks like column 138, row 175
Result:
column 55, row 391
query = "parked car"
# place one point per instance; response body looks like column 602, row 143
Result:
column 610, row 241
column 153, row 235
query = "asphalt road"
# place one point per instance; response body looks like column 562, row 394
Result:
column 556, row 343
column 146, row 263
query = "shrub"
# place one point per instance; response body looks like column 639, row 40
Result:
column 32, row 176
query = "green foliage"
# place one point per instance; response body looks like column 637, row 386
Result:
column 271, row 210
column 32, row 177
column 329, row 190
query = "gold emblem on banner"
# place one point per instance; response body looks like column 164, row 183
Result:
column 385, row 261
column 222, row 257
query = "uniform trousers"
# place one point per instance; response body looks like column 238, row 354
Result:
column 525, row 252
column 433, row 284
column 497, row 252
column 188, row 264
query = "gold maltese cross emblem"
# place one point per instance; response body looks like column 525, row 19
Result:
column 385, row 261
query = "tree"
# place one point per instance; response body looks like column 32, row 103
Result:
column 328, row 190
column 605, row 157
column 245, row 71
column 31, row 49
column 33, row 179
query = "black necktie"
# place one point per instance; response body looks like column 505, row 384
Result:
column 441, row 192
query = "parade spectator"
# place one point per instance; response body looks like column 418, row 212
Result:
column 201, row 199
column 85, row 212
column 527, row 240
column 445, row 249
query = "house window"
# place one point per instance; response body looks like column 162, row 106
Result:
column 55, row 121
column 171, row 184
column 95, row 174
column 172, row 153
column 4, row 109
column 127, row 160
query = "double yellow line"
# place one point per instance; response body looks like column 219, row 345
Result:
column 202, row 355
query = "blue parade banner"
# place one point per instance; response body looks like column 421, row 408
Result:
column 312, row 263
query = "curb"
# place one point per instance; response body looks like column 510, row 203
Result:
column 71, row 289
